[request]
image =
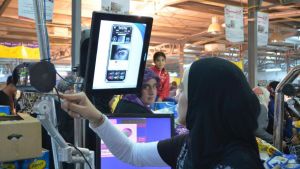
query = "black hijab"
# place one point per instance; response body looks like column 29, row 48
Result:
column 222, row 116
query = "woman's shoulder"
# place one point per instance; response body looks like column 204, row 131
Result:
column 169, row 149
column 125, row 106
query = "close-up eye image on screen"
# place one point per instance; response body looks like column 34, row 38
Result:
column 119, row 52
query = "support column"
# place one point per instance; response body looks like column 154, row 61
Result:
column 287, row 61
column 76, row 35
column 252, row 42
column 76, row 32
column 181, row 59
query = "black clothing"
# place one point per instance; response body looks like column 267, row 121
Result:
column 4, row 99
column 128, row 107
column 221, row 116
column 169, row 149
column 237, row 157
column 101, row 102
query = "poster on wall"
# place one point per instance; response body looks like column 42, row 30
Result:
column 262, row 28
column 115, row 6
column 26, row 10
column 234, row 23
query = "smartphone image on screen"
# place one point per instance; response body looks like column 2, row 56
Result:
column 120, row 44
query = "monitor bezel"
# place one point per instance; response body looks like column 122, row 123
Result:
column 131, row 115
column 93, row 48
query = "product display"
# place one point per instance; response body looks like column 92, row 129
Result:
column 274, row 159
column 41, row 162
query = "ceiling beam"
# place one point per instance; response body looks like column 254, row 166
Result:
column 16, row 29
column 286, row 14
column 185, row 29
column 18, row 37
column 194, row 36
column 227, row 2
column 175, row 31
column 179, row 17
column 167, row 34
column 157, row 39
column 209, row 40
column 272, row 1
column 4, row 37
column 199, row 7
column 278, row 7
column 4, row 5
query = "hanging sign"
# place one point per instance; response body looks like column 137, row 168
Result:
column 10, row 50
column 262, row 28
column 234, row 23
column 26, row 10
column 115, row 6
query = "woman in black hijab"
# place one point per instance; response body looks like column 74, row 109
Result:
column 221, row 113
column 222, row 116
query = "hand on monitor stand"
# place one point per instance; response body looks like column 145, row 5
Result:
column 78, row 105
column 44, row 107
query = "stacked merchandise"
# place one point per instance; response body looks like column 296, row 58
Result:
column 274, row 159
column 41, row 162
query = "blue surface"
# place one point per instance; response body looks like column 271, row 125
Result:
column 5, row 110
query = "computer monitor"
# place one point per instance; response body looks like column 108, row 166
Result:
column 117, row 54
column 139, row 128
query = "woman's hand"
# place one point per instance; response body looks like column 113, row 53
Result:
column 78, row 105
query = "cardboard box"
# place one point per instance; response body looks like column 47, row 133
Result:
column 20, row 137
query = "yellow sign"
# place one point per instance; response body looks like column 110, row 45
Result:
column 19, row 52
column 7, row 166
column 38, row 164
column 239, row 64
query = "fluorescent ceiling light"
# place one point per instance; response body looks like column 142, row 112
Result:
column 230, row 54
column 273, row 70
column 270, row 52
column 63, row 68
column 173, row 74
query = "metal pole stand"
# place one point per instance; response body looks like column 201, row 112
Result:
column 279, row 106
column 62, row 152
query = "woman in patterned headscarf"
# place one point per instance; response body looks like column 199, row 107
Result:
column 139, row 103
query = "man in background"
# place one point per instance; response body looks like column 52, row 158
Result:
column 7, row 94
